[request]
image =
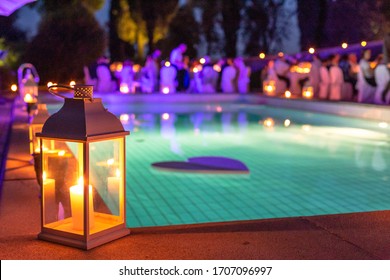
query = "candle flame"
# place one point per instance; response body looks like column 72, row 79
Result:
column 28, row 98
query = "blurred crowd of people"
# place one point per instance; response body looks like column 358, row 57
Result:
column 178, row 74
column 332, row 77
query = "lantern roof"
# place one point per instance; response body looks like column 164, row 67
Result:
column 82, row 118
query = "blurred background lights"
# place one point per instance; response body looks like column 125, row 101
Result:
column 14, row 87
column 165, row 116
column 344, row 45
column 262, row 55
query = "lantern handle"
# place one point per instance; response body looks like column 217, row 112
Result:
column 80, row 91
column 56, row 86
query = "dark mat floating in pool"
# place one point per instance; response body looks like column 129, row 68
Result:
column 214, row 165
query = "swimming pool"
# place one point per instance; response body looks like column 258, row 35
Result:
column 301, row 163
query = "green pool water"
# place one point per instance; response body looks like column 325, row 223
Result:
column 304, row 164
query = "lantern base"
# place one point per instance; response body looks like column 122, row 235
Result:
column 91, row 243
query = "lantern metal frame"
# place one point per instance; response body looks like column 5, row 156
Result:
column 84, row 120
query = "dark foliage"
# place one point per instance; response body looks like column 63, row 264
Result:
column 67, row 40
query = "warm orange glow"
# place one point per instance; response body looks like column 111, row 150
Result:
column 28, row 98
column 72, row 83
column 344, row 45
column 49, row 84
column 312, row 50
column 195, row 70
column 269, row 122
column 269, row 87
column 307, row 92
column 262, row 55
column 363, row 43
column 202, row 60
column 280, row 54
column 136, row 68
column 217, row 68
column 287, row 94
column 77, row 205
column 61, row 153
column 14, row 87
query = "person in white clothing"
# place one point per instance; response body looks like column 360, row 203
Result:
column 314, row 76
column 228, row 80
column 366, row 80
column 324, row 80
column 126, row 77
column 242, row 76
column 382, row 78
column 177, row 56
column 336, row 78
column 168, row 79
column 105, row 82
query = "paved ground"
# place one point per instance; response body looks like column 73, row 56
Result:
column 359, row 236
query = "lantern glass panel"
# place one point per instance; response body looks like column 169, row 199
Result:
column 106, row 171
column 34, row 141
column 62, row 188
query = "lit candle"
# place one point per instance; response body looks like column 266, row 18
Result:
column 113, row 186
column 49, row 196
column 77, row 206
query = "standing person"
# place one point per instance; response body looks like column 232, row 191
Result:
column 282, row 69
column 126, row 77
column 105, row 79
column 178, row 61
column 209, row 77
column 324, row 79
column 242, row 75
column 314, row 75
column 382, row 78
column 177, row 56
column 336, row 78
column 366, row 80
column 156, row 68
column 148, row 76
column 229, row 78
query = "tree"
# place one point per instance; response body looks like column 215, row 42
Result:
column 231, row 23
column 255, row 26
column 183, row 29
column 69, row 37
column 143, row 22
column 311, row 19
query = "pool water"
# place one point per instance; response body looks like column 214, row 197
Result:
column 301, row 164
